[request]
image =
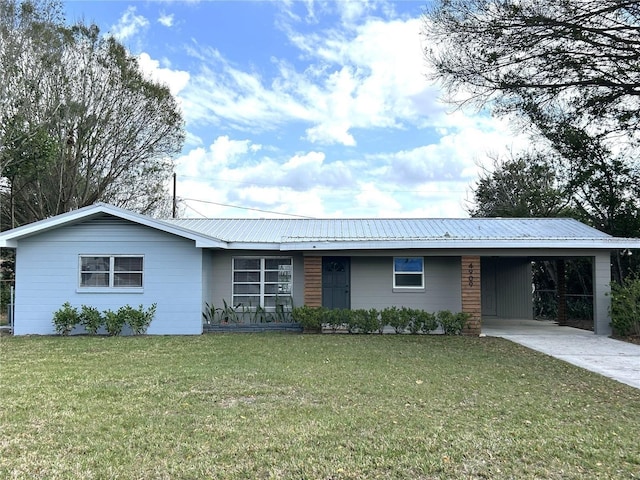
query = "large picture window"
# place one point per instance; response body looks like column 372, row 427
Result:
column 111, row 271
column 264, row 282
column 408, row 272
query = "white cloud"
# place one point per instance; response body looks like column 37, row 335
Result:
column 431, row 180
column 176, row 80
column 166, row 20
column 371, row 79
column 223, row 152
column 346, row 83
column 129, row 25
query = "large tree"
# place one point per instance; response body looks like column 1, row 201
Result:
column 80, row 122
column 603, row 192
column 579, row 56
column 523, row 185
column 570, row 70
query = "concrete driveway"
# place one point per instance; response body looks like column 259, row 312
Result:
column 598, row 353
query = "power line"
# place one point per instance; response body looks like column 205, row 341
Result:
column 242, row 208
column 191, row 208
column 346, row 189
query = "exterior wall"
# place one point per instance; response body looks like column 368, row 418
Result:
column 47, row 275
column 601, row 291
column 372, row 285
column 221, row 274
column 513, row 288
column 510, row 287
column 207, row 277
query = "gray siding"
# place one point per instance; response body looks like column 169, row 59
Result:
column 513, row 284
column 47, row 275
column 207, row 277
column 372, row 285
column 506, row 284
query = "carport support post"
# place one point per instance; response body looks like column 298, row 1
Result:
column 471, row 293
column 601, row 291
column 562, row 292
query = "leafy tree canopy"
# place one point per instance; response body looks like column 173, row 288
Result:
column 79, row 122
column 579, row 56
column 523, row 185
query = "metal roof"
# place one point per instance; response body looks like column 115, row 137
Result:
column 328, row 234
column 353, row 234
column 310, row 230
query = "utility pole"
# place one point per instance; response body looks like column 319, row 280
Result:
column 175, row 198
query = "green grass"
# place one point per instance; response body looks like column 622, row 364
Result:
column 307, row 407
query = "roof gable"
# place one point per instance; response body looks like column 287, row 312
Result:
column 11, row 237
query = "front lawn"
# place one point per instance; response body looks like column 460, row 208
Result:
column 307, row 407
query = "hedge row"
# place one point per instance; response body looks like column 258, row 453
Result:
column 370, row 321
column 138, row 319
column 625, row 307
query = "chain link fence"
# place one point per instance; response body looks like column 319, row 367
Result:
column 579, row 306
column 6, row 303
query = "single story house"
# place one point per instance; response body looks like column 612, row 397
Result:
column 107, row 257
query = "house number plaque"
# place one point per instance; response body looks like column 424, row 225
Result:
column 471, row 274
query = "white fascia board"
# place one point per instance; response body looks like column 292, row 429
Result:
column 10, row 238
column 507, row 244
column 254, row 246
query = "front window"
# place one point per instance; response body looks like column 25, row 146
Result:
column 110, row 271
column 408, row 272
column 265, row 282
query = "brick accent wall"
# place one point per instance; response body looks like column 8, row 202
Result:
column 471, row 293
column 313, row 281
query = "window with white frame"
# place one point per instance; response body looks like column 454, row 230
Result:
column 264, row 282
column 408, row 272
column 111, row 271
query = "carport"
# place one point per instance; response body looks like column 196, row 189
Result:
column 507, row 284
column 506, row 296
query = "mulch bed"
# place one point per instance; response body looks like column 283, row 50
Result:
column 588, row 325
column 631, row 338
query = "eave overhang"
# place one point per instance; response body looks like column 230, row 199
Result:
column 462, row 244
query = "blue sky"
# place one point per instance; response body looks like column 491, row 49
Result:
column 310, row 108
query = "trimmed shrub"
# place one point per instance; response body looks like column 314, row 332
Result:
column 625, row 307
column 452, row 323
column 372, row 323
column 363, row 321
column 138, row 319
column 399, row 319
column 309, row 317
column 113, row 322
column 65, row 319
column 338, row 318
column 91, row 319
column 428, row 321
column 414, row 319
column 388, row 316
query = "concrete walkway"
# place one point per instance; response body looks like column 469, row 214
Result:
column 598, row 353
